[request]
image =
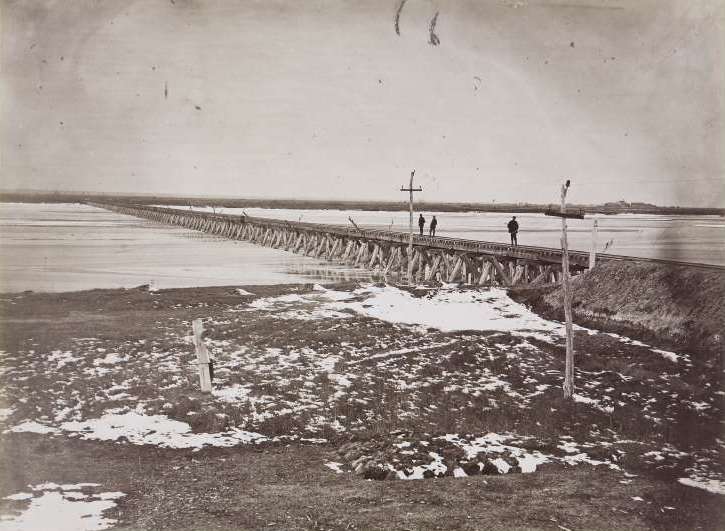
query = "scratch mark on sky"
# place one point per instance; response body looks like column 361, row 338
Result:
column 397, row 16
column 433, row 40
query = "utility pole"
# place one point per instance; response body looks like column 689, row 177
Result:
column 569, row 365
column 410, row 227
column 593, row 251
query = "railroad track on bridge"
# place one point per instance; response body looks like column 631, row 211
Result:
column 385, row 252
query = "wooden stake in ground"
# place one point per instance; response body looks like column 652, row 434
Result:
column 202, row 357
column 569, row 367
column 410, row 227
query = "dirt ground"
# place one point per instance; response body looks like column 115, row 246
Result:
column 288, row 488
column 58, row 363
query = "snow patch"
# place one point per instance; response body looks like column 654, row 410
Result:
column 332, row 465
column 5, row 413
column 61, row 510
column 156, row 430
column 448, row 310
column 30, row 426
column 716, row 486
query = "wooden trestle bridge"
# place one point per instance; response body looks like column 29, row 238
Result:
column 381, row 251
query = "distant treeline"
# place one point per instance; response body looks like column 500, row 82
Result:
column 303, row 204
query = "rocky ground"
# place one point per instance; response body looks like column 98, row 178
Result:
column 318, row 390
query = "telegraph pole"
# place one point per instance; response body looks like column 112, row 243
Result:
column 410, row 189
column 593, row 251
column 569, row 365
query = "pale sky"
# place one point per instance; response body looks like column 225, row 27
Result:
column 322, row 99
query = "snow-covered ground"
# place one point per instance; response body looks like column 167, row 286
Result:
column 428, row 358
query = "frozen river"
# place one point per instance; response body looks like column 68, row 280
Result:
column 67, row 247
column 70, row 247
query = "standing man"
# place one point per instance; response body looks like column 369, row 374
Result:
column 433, row 225
column 421, row 224
column 513, row 227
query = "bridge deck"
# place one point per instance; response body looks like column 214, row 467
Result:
column 577, row 259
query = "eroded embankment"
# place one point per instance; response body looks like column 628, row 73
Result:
column 671, row 305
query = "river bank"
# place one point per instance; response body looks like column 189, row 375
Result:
column 318, row 388
column 673, row 306
column 316, row 204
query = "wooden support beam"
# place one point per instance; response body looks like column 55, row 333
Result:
column 412, row 264
column 423, row 260
column 376, row 250
column 313, row 243
column 346, row 253
column 542, row 276
column 519, row 271
column 403, row 262
column 501, row 272
column 320, row 248
column 394, row 257
column 299, row 242
column 456, row 268
column 326, row 246
column 434, row 268
column 307, row 243
column 446, row 265
column 472, row 273
column 333, row 249
column 485, row 269
column 350, row 256
column 361, row 252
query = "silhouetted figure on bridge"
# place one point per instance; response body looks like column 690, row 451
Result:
column 433, row 225
column 513, row 227
column 421, row 224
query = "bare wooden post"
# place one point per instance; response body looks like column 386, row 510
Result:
column 202, row 357
column 410, row 226
column 569, row 366
column 593, row 251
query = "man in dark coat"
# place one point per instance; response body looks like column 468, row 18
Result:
column 421, row 223
column 433, row 225
column 513, row 227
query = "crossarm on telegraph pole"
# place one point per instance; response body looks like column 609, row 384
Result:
column 410, row 189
